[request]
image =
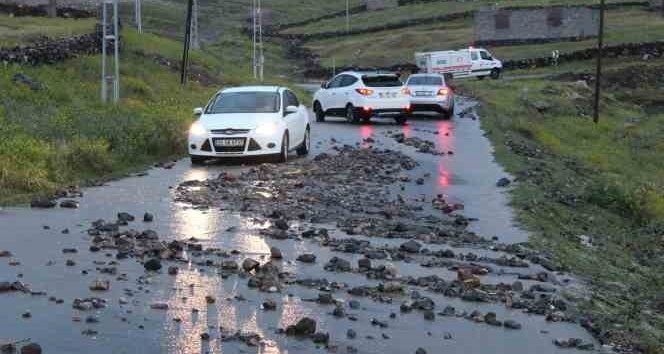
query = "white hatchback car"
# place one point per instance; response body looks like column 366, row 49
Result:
column 250, row 121
column 361, row 95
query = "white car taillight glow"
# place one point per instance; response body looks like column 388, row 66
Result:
column 443, row 92
column 364, row 91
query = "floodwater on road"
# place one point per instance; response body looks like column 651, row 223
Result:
column 35, row 238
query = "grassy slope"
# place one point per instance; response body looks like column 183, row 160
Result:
column 397, row 46
column 17, row 30
column 605, row 181
column 62, row 134
column 420, row 11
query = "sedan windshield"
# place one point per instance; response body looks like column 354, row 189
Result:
column 245, row 102
column 426, row 81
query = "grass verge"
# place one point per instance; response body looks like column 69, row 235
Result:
column 578, row 181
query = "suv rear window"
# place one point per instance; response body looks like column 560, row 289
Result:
column 382, row 81
column 426, row 81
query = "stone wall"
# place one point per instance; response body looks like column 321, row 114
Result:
column 44, row 10
column 51, row 51
column 564, row 23
column 381, row 4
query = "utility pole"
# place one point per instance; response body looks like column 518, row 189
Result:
column 187, row 39
column 253, row 56
column 105, row 39
column 260, row 41
column 598, row 74
column 347, row 16
column 195, row 41
column 137, row 16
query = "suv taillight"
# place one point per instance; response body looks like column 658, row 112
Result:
column 405, row 91
column 364, row 91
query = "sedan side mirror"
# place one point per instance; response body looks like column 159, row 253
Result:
column 323, row 85
column 198, row 111
column 290, row 110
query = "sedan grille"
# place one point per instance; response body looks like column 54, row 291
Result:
column 229, row 131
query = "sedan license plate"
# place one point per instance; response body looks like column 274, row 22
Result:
column 237, row 142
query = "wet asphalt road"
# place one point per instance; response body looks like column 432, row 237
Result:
column 468, row 176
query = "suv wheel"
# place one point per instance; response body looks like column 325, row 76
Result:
column 306, row 144
column 351, row 116
column 320, row 114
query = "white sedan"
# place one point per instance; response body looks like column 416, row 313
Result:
column 250, row 121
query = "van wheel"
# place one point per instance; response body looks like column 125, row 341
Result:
column 306, row 144
column 351, row 116
column 320, row 114
column 495, row 74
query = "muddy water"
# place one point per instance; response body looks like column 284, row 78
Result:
column 467, row 177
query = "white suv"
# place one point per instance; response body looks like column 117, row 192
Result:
column 362, row 95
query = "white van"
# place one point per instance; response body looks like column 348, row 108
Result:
column 470, row 62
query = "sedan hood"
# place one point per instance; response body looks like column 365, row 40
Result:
column 236, row 120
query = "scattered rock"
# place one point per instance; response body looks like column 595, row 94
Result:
column 173, row 270
column 159, row 306
column 411, row 246
column 351, row 334
column 153, row 264
column 42, row 202
column 307, row 258
column 100, row 285
column 125, row 217
column 32, row 348
column 337, row 264
column 503, row 182
column 305, row 327
column 69, row 204
column 275, row 253
column 250, row 264
column 147, row 217
column 269, row 305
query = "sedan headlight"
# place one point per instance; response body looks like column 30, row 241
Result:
column 197, row 129
column 266, row 129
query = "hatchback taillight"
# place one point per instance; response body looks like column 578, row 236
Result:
column 443, row 92
column 364, row 91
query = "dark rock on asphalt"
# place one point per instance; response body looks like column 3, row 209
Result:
column 304, row 327
column 42, row 202
column 69, row 204
column 153, row 264
column 503, row 182
column 32, row 348
column 307, row 258
column 411, row 246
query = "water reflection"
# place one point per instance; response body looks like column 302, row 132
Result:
column 365, row 132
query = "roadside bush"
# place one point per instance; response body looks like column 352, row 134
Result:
column 89, row 155
column 138, row 87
